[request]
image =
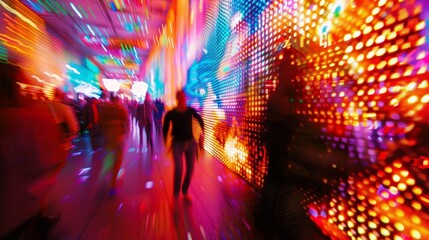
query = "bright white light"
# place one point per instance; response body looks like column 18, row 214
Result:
column 72, row 69
column 112, row 85
column 88, row 90
column 236, row 19
column 102, row 45
column 90, row 29
column 149, row 184
column 75, row 9
column 139, row 89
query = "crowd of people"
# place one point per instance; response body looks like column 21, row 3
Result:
column 35, row 138
column 37, row 134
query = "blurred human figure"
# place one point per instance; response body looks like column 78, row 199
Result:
column 281, row 126
column 65, row 117
column 158, row 115
column 114, row 123
column 144, row 115
column 31, row 155
column 183, row 142
column 132, row 108
column 66, row 120
column 91, row 117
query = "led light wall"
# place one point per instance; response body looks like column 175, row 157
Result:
column 357, row 78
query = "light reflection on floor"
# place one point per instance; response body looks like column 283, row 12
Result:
column 144, row 207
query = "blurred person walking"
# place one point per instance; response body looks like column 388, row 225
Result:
column 65, row 117
column 33, row 149
column 144, row 114
column 281, row 124
column 158, row 115
column 115, row 125
column 183, row 142
column 91, row 117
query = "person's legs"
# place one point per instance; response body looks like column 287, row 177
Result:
column 178, row 148
column 190, row 155
column 141, row 134
column 148, row 129
column 118, row 155
column 158, row 125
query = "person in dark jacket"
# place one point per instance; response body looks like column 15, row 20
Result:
column 183, row 142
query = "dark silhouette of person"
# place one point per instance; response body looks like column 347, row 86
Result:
column 144, row 115
column 281, row 126
column 35, row 136
column 158, row 115
column 183, row 142
column 91, row 117
column 115, row 126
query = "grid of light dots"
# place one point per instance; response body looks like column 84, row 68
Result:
column 365, row 63
column 243, row 149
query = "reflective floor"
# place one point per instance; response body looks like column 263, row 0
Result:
column 144, row 207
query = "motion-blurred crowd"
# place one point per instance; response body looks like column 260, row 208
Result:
column 38, row 131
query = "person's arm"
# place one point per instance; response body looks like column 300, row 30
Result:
column 166, row 126
column 199, row 119
column 201, row 122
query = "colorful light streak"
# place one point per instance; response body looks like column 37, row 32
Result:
column 76, row 10
column 18, row 14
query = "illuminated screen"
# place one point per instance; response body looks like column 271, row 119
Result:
column 356, row 78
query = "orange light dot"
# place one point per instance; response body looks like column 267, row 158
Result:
column 394, row 102
column 384, row 232
column 399, row 213
column 384, row 219
column 393, row 48
column 385, row 207
column 402, row 187
column 416, row 219
column 393, row 61
column 399, row 226
column 411, row 181
column 417, row 190
column 416, row 205
column 396, row 178
column 386, row 182
column 361, row 230
column 404, row 173
column 416, row 234
column 372, row 213
column 413, row 99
